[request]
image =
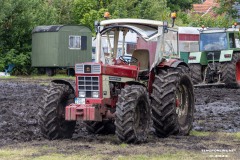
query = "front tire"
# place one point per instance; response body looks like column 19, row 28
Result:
column 231, row 71
column 52, row 112
column 132, row 114
column 196, row 73
column 172, row 102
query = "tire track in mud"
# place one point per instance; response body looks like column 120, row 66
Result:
column 217, row 109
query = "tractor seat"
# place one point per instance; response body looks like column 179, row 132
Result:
column 142, row 56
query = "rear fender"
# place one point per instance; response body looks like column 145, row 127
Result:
column 172, row 63
column 59, row 81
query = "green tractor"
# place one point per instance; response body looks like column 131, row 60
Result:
column 218, row 59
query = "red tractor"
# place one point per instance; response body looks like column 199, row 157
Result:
column 121, row 94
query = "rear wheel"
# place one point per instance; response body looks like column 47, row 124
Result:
column 231, row 71
column 52, row 112
column 196, row 73
column 50, row 71
column 132, row 114
column 172, row 102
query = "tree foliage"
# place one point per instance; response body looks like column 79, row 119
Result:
column 19, row 17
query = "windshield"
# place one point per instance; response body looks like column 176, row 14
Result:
column 213, row 41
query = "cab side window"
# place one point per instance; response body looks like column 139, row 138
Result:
column 232, row 40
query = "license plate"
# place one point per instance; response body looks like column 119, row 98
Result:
column 79, row 100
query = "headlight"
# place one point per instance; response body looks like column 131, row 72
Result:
column 82, row 94
column 95, row 94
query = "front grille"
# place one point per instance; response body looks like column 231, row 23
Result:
column 79, row 68
column 96, row 68
column 88, row 68
column 88, row 84
column 216, row 56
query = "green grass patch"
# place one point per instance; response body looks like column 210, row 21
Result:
column 16, row 154
column 167, row 156
column 237, row 135
column 199, row 134
column 123, row 145
column 8, row 77
column 60, row 76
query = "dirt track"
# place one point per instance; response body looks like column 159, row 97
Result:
column 217, row 110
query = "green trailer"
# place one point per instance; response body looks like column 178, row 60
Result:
column 60, row 46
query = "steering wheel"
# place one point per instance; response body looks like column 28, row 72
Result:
column 128, row 59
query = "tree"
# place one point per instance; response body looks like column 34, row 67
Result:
column 226, row 7
column 17, row 20
column 146, row 9
column 181, row 5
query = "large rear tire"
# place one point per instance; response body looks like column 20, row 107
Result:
column 132, row 114
column 231, row 71
column 196, row 73
column 172, row 102
column 52, row 112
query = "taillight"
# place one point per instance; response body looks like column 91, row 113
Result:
column 192, row 58
column 227, row 55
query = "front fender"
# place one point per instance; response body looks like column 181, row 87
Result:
column 60, row 81
column 172, row 63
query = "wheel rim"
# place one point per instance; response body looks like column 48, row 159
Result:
column 182, row 104
column 238, row 72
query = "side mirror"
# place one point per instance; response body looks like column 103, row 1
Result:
column 165, row 26
column 96, row 26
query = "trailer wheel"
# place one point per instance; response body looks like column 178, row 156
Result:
column 50, row 71
column 196, row 73
column 132, row 114
column 172, row 102
column 231, row 71
column 105, row 127
column 52, row 112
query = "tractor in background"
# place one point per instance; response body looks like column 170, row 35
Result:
column 218, row 59
column 121, row 94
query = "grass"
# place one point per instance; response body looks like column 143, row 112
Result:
column 57, row 76
column 38, row 153
column 161, row 149
column 199, row 134
column 39, row 77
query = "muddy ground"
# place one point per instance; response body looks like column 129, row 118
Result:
column 217, row 110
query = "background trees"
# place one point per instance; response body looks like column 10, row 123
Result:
column 18, row 18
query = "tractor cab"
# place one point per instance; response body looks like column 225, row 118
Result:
column 217, row 40
column 132, row 43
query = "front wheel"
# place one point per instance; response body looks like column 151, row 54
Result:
column 196, row 73
column 172, row 102
column 132, row 114
column 52, row 112
column 231, row 71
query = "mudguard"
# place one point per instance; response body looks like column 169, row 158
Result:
column 59, row 81
column 172, row 63
column 198, row 57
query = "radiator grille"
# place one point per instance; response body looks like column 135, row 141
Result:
column 216, row 55
column 88, row 84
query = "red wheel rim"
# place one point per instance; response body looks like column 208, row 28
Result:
column 238, row 72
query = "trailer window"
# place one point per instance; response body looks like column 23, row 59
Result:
column 74, row 42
